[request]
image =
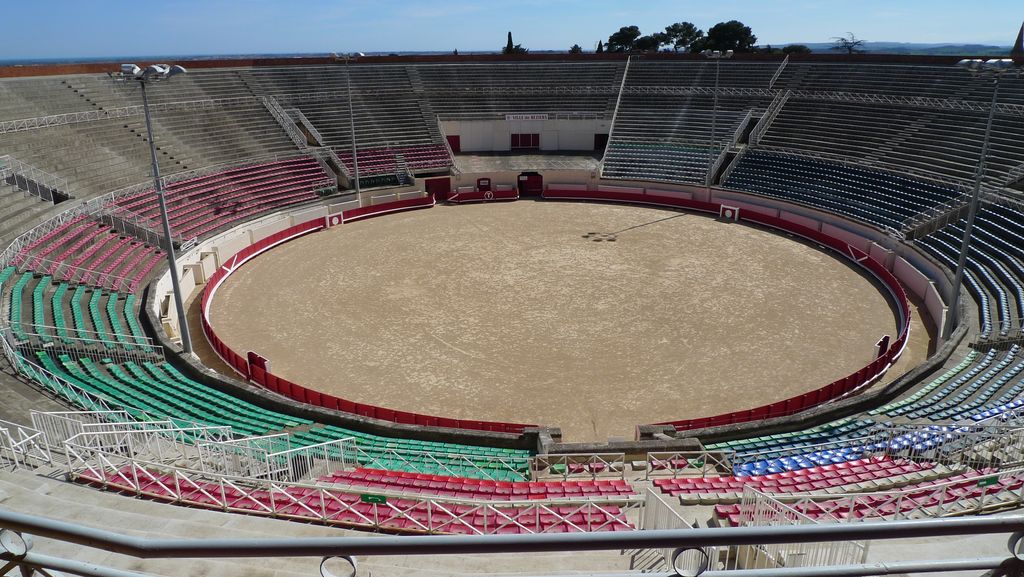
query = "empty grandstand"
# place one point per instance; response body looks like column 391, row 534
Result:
column 872, row 160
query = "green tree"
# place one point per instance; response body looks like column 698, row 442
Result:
column 796, row 49
column 682, row 34
column 511, row 48
column 575, row 49
column 624, row 40
column 731, row 35
column 600, row 47
column 850, row 43
column 651, row 42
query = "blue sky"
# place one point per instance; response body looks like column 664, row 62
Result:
column 91, row 28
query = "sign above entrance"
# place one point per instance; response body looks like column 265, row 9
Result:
column 526, row 117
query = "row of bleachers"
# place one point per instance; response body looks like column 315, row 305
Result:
column 854, row 476
column 962, row 489
column 199, row 206
column 876, row 197
column 311, row 504
column 374, row 161
column 467, row 488
column 469, row 91
column 945, row 142
column 158, row 390
column 83, row 250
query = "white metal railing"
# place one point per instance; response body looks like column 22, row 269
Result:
column 494, row 468
column 694, row 463
column 12, row 168
column 79, row 344
column 933, row 213
column 732, row 165
column 615, row 112
column 61, row 270
column 578, row 466
column 23, row 124
column 778, row 72
column 447, row 146
column 59, row 426
column 761, row 510
column 768, row 117
column 659, row 515
column 23, row 446
column 974, row 493
column 116, row 467
column 284, row 121
column 272, row 457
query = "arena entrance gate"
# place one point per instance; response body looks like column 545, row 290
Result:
column 439, row 188
column 530, row 184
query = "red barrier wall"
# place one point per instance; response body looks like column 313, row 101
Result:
column 298, row 392
column 483, row 196
column 805, row 401
column 790, row 406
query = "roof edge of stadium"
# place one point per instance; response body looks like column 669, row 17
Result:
column 52, row 69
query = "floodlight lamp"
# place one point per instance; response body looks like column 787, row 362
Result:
column 176, row 70
column 999, row 64
column 728, row 53
column 130, row 70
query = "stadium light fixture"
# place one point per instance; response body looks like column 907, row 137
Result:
column 992, row 69
column 144, row 76
column 717, row 56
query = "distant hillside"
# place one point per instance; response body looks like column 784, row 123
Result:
column 914, row 48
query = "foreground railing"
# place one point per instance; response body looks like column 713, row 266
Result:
column 17, row 548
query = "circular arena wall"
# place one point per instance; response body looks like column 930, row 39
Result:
column 586, row 316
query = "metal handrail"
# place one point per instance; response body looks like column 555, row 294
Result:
column 679, row 539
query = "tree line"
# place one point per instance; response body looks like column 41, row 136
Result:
column 686, row 37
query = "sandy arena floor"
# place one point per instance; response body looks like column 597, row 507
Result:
column 514, row 312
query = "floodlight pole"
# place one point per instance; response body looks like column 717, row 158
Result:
column 352, row 122
column 179, row 303
column 717, row 56
column 972, row 212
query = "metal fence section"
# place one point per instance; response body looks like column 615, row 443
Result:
column 273, row 458
column 81, row 343
column 578, row 466
column 23, row 446
column 114, row 460
column 32, row 180
column 659, row 515
column 58, row 427
column 761, row 510
column 696, row 463
column 494, row 468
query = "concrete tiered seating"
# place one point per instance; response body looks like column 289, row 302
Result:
column 374, row 161
column 873, row 196
column 199, row 206
column 157, row 389
column 858, row 475
column 960, row 493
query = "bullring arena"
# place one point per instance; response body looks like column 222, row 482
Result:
column 509, row 312
column 506, row 296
